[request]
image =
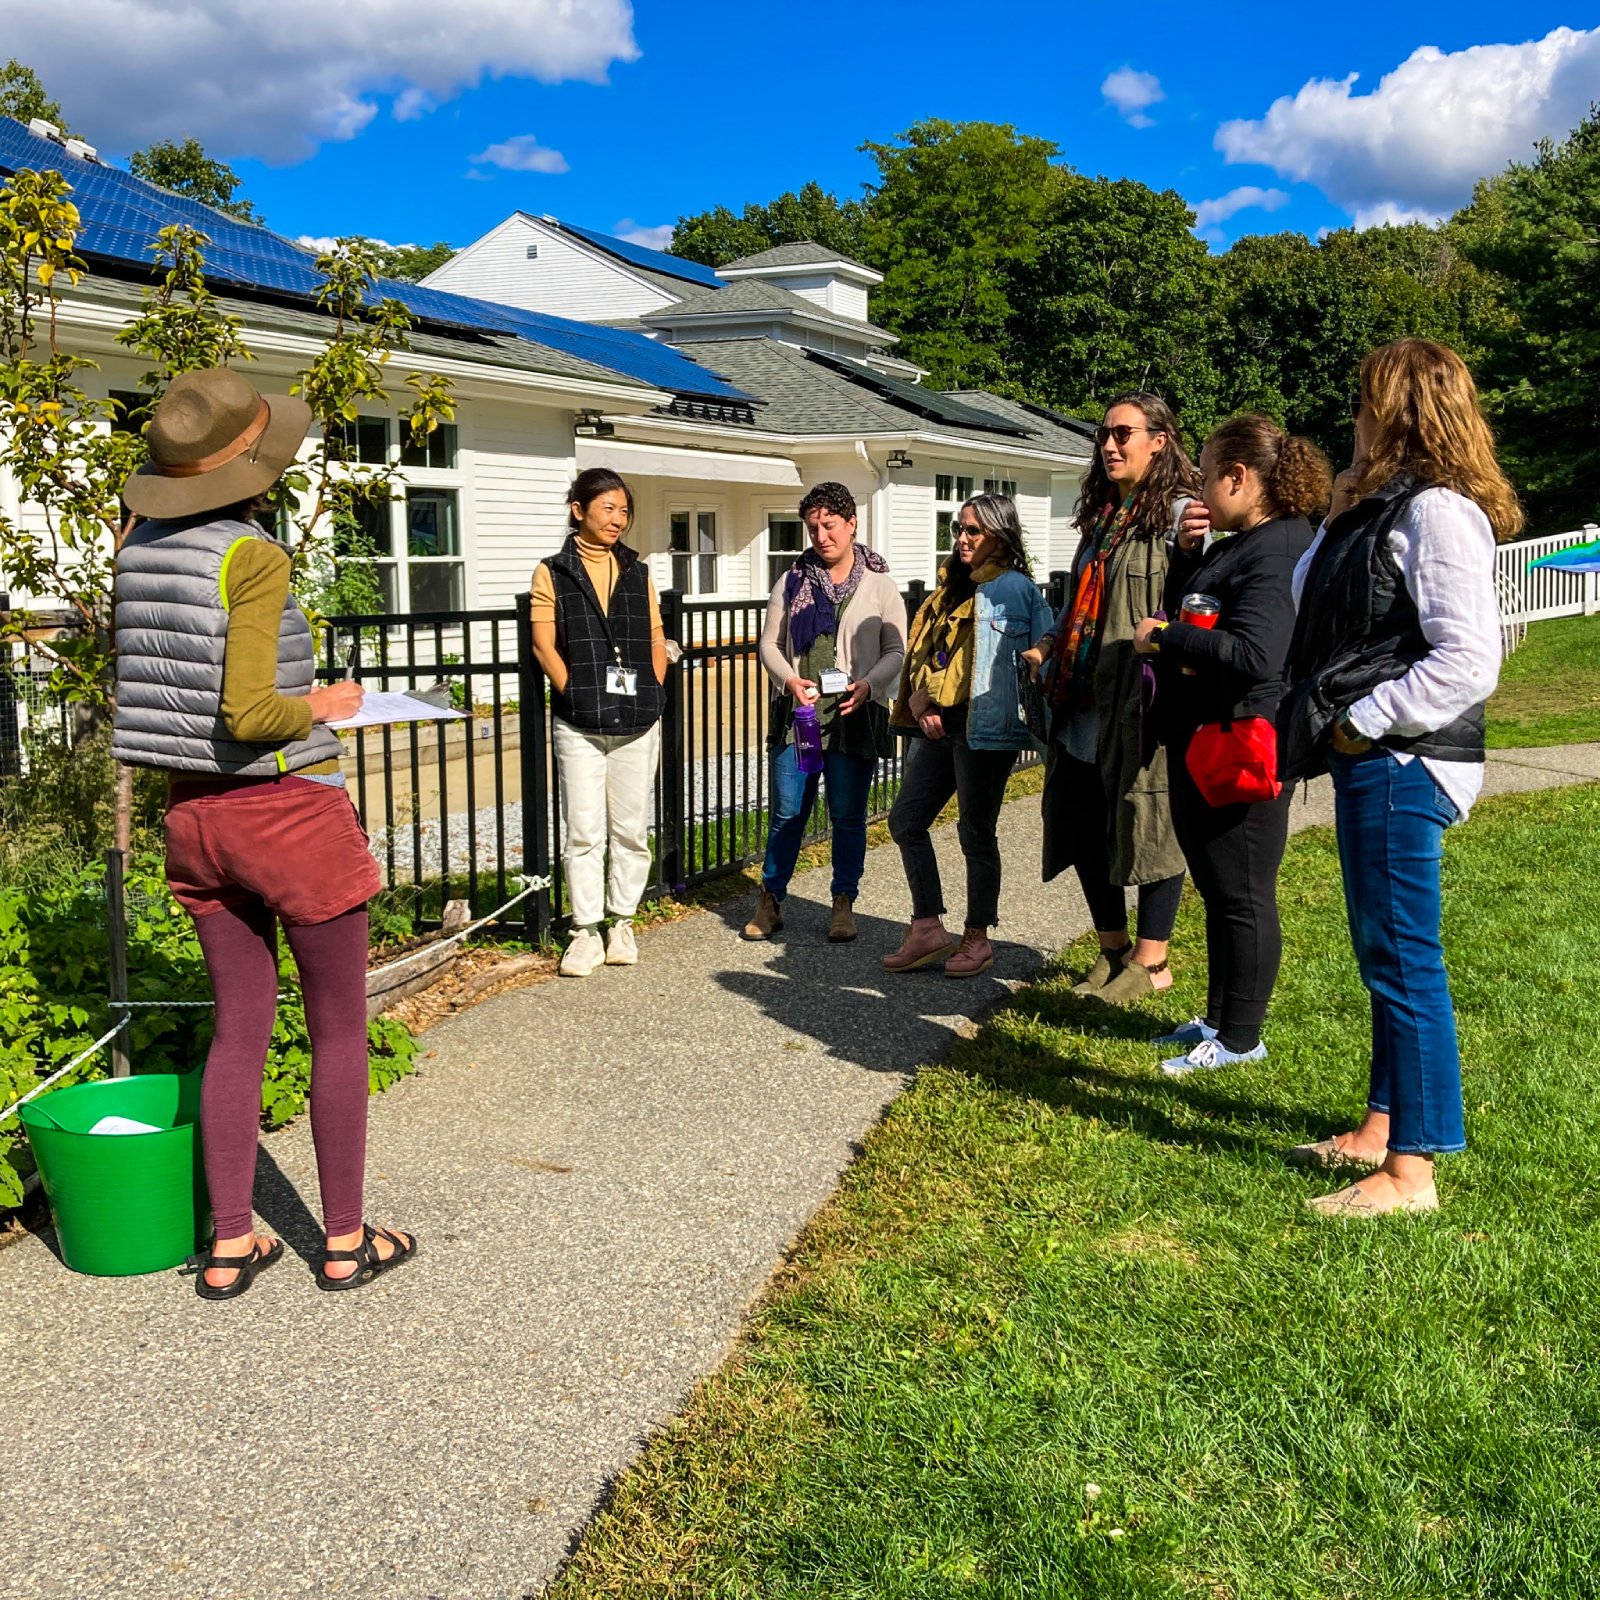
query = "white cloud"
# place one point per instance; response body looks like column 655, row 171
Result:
column 275, row 81
column 1133, row 93
column 1208, row 213
column 640, row 233
column 410, row 104
column 1414, row 147
column 323, row 243
column 1386, row 214
column 523, row 153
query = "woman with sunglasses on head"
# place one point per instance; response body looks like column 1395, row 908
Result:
column 1395, row 651
column 958, row 700
column 1219, row 688
column 1105, row 795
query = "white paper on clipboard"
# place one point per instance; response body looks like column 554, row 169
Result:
column 382, row 707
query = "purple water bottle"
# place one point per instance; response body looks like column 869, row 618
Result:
column 807, row 739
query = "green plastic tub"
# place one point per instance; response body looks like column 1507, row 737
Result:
column 123, row 1203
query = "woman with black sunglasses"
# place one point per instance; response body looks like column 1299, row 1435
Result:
column 1105, row 794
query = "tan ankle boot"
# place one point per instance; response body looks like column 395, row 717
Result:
column 842, row 924
column 768, row 919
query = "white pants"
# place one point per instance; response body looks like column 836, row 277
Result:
column 607, row 784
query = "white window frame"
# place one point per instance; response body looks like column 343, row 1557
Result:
column 694, row 513
column 944, row 511
column 769, row 515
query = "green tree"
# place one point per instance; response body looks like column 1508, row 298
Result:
column 810, row 213
column 22, row 96
column 1119, row 296
column 410, row 263
column 186, row 169
column 1536, row 228
column 954, row 223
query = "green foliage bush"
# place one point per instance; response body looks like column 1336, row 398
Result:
column 53, row 974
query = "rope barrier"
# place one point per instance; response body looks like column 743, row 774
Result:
column 61, row 1072
column 533, row 886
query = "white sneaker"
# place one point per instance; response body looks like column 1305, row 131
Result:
column 621, row 951
column 1195, row 1031
column 1208, row 1055
column 584, row 954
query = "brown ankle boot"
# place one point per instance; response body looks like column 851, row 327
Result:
column 768, row 919
column 921, row 947
column 842, row 924
column 973, row 955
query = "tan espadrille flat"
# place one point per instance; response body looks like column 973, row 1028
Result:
column 1326, row 1156
column 1356, row 1202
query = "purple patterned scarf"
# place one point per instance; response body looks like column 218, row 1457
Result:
column 812, row 599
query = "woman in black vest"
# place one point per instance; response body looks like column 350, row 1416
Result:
column 597, row 634
column 1258, row 484
column 1396, row 649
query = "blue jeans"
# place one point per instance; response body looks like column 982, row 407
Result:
column 1390, row 817
column 794, row 793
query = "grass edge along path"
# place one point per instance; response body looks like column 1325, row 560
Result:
column 1066, row 1328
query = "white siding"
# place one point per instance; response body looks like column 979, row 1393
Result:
column 517, row 464
column 910, row 525
column 568, row 279
column 838, row 295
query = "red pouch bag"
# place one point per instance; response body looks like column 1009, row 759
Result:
column 1235, row 762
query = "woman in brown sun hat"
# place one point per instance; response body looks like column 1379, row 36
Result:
column 215, row 686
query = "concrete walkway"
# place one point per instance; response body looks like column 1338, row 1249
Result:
column 603, row 1175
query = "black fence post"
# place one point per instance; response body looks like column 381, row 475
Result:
column 532, row 727
column 1056, row 591
column 916, row 593
column 670, row 843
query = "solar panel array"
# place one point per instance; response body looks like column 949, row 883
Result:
column 925, row 402
column 122, row 214
column 652, row 260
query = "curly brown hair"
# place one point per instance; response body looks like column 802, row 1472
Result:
column 1172, row 474
column 1427, row 421
column 1296, row 480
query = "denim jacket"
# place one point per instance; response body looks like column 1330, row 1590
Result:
column 1011, row 615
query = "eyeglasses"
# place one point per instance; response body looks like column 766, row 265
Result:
column 1122, row 433
column 966, row 530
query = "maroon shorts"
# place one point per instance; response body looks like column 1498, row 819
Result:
column 295, row 845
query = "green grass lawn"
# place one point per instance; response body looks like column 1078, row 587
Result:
column 1068, row 1330
column 1549, row 687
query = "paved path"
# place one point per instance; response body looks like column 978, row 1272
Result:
column 603, row 1175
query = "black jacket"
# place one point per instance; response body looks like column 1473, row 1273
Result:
column 1239, row 665
column 1358, row 627
column 591, row 641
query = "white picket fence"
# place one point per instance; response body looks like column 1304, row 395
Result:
column 1531, row 596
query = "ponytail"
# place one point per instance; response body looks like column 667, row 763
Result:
column 1296, row 479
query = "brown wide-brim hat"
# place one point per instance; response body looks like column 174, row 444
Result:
column 214, row 441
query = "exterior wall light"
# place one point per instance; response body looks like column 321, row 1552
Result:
column 898, row 459
column 590, row 425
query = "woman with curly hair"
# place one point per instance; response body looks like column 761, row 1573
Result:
column 1395, row 651
column 1259, row 485
column 1105, row 796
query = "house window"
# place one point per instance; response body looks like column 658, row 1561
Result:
column 1005, row 486
column 435, row 576
column 369, row 542
column 365, row 440
column 436, row 449
column 786, row 541
column 130, row 410
column 950, row 493
column 694, row 552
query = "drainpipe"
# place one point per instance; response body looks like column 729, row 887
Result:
column 879, row 496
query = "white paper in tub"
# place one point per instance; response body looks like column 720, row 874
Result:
column 124, row 1125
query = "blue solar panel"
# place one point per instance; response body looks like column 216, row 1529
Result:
column 122, row 214
column 653, row 260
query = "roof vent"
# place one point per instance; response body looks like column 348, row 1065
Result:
column 44, row 130
column 84, row 152
column 533, row 252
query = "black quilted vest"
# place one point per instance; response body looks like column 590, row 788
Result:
column 591, row 641
column 1357, row 627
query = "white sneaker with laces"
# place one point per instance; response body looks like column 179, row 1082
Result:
column 1208, row 1055
column 584, row 954
column 621, row 950
column 1195, row 1031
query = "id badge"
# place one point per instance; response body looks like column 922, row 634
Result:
column 832, row 681
column 622, row 680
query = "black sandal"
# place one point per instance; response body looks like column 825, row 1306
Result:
column 369, row 1264
column 244, row 1269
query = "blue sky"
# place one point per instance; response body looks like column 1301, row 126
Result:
column 665, row 108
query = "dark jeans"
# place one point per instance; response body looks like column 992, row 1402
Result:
column 1074, row 791
column 936, row 769
column 1233, row 853
column 794, row 793
column 1390, row 818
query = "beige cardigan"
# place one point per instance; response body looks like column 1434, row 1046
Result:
column 871, row 642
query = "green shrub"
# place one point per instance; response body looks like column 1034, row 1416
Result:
column 53, row 976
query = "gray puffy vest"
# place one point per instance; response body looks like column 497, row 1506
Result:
column 172, row 633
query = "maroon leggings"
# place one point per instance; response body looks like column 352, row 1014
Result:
column 241, row 951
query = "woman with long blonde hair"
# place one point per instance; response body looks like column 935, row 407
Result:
column 1396, row 649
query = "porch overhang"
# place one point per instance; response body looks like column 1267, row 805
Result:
column 632, row 459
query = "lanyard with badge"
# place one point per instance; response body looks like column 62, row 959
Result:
column 619, row 679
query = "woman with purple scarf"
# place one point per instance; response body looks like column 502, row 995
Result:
column 835, row 638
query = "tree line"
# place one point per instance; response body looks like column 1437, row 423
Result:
column 1005, row 269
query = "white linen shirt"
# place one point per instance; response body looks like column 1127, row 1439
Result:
column 1444, row 547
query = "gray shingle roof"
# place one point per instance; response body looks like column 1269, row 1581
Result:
column 1071, row 433
column 805, row 397
column 804, row 254
column 752, row 295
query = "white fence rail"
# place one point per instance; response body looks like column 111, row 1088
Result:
column 1531, row 596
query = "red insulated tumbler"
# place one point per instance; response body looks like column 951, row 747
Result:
column 1202, row 610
